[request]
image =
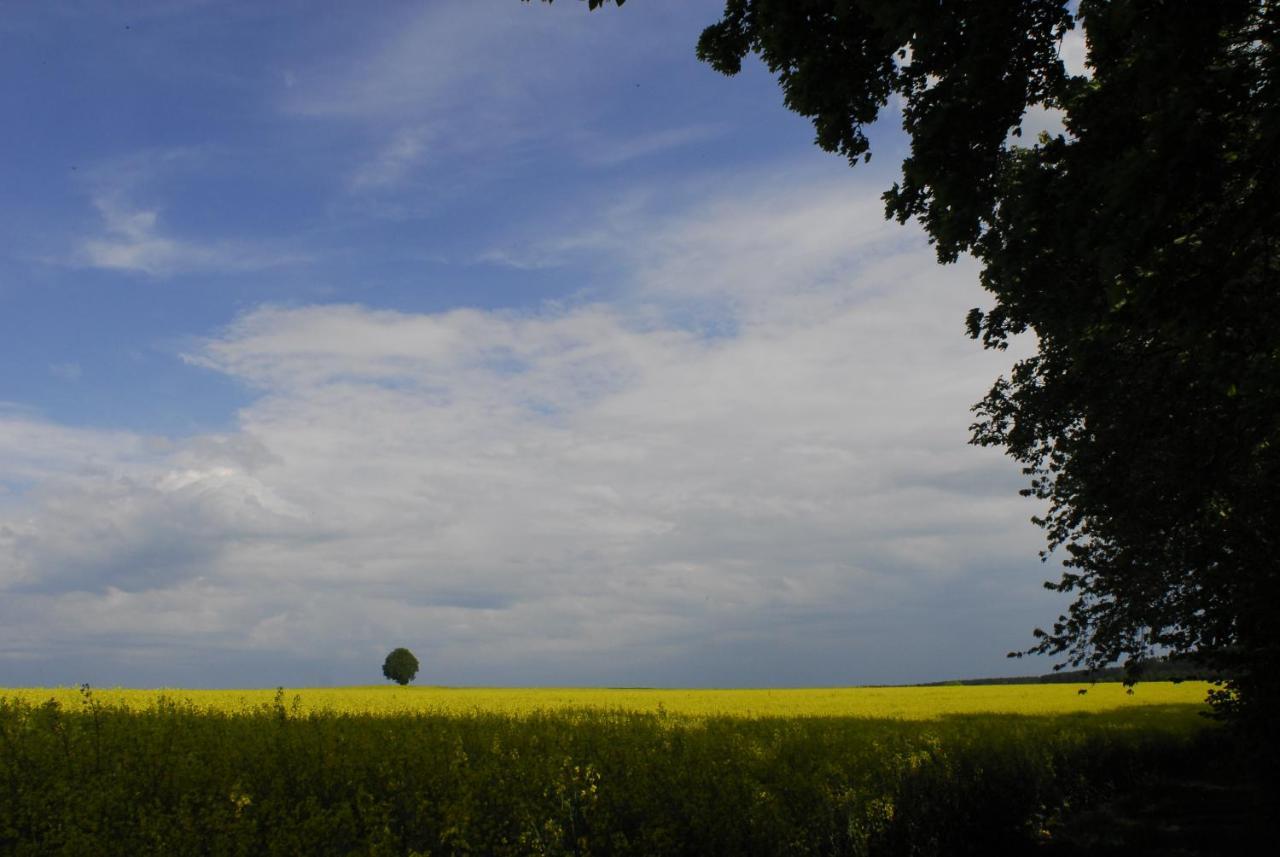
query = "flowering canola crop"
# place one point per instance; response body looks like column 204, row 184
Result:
column 901, row 703
column 510, row 771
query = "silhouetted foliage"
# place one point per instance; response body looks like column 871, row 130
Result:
column 1139, row 246
column 400, row 666
column 1156, row 669
column 592, row 4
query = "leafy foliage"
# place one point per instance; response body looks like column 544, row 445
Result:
column 1139, row 247
column 400, row 666
column 592, row 4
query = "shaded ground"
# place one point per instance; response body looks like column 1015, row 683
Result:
column 1211, row 811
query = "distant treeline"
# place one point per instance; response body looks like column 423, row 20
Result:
column 1161, row 669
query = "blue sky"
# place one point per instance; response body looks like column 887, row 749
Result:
column 507, row 332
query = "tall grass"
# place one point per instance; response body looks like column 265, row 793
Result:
column 99, row 778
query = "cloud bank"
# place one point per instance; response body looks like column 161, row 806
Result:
column 607, row 492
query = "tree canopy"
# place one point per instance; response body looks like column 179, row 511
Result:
column 400, row 666
column 593, row 4
column 1138, row 246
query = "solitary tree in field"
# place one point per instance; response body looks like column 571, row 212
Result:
column 400, row 666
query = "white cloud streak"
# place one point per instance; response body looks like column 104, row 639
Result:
column 472, row 79
column 132, row 241
column 611, row 153
column 441, row 58
column 392, row 162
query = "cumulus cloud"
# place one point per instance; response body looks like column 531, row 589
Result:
column 594, row 492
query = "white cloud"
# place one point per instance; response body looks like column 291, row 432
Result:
column 1074, row 52
column 33, row 449
column 472, row 78
column 392, row 162
column 132, row 241
column 597, row 492
column 1038, row 118
column 134, row 235
column 441, row 57
column 609, row 153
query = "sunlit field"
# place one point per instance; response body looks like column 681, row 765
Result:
column 903, row 703
column 433, row 770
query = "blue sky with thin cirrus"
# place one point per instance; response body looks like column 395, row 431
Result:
column 506, row 332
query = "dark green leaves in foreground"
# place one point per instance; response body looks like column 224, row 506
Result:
column 174, row 780
column 1139, row 246
column 965, row 73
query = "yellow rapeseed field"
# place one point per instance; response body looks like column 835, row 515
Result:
column 906, row 703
